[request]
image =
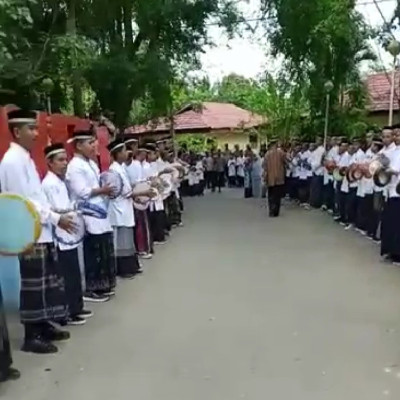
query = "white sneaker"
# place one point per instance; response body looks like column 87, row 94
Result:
column 146, row 256
column 160, row 243
column 348, row 227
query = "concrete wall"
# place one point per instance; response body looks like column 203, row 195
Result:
column 381, row 119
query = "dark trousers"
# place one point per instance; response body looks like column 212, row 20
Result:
column 157, row 225
column 218, row 180
column 208, row 179
column 390, row 230
column 317, row 183
column 337, row 197
column 69, row 267
column 352, row 206
column 240, row 181
column 376, row 215
column 5, row 349
column 274, row 199
column 304, row 190
column 365, row 211
column 232, row 181
column 329, row 195
column 343, row 206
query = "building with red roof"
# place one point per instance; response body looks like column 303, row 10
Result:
column 378, row 88
column 223, row 122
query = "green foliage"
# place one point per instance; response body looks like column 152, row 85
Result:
column 122, row 50
column 321, row 40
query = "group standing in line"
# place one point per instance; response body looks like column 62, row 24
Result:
column 59, row 276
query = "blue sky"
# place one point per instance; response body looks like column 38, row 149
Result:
column 248, row 55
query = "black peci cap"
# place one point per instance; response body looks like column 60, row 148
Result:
column 54, row 149
column 115, row 145
column 24, row 117
column 81, row 135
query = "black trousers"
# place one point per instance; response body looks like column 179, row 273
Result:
column 5, row 349
column 329, row 195
column 232, row 181
column 157, row 225
column 352, row 206
column 365, row 212
column 240, row 181
column 69, row 266
column 208, row 179
column 376, row 215
column 317, row 183
column 304, row 190
column 343, row 206
column 390, row 231
column 275, row 194
column 218, row 180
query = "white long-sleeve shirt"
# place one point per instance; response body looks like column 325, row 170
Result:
column 121, row 209
column 134, row 171
column 57, row 195
column 82, row 177
column 344, row 161
column 394, row 157
column 316, row 161
column 331, row 156
column 18, row 175
column 387, row 150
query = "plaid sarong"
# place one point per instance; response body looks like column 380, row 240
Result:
column 42, row 296
column 100, row 268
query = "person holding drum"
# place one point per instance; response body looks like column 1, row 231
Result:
column 157, row 217
column 83, row 181
column 42, row 296
column 379, row 192
column 143, row 238
column 122, row 217
column 390, row 230
column 67, row 244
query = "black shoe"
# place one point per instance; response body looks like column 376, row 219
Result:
column 92, row 297
column 53, row 334
column 85, row 314
column 11, row 374
column 39, row 346
column 76, row 320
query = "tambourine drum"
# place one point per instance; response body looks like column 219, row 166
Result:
column 113, row 179
column 374, row 166
column 337, row 176
column 20, row 223
column 382, row 177
column 96, row 207
column 75, row 237
column 175, row 175
column 166, row 185
column 142, row 202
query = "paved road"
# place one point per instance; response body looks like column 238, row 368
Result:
column 237, row 306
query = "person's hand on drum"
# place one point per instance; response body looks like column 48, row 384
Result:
column 66, row 223
column 105, row 190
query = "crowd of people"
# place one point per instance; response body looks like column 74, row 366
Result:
column 356, row 181
column 59, row 276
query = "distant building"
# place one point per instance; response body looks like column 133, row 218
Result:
column 224, row 123
column 378, row 87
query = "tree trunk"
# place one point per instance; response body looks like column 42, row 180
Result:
column 76, row 74
column 127, row 8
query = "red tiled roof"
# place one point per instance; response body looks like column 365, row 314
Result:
column 378, row 87
column 209, row 117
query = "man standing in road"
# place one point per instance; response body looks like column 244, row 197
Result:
column 275, row 177
column 219, row 164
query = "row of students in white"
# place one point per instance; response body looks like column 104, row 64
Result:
column 370, row 208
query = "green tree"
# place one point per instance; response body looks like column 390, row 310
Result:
column 321, row 40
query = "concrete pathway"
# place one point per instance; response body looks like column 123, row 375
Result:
column 236, row 306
